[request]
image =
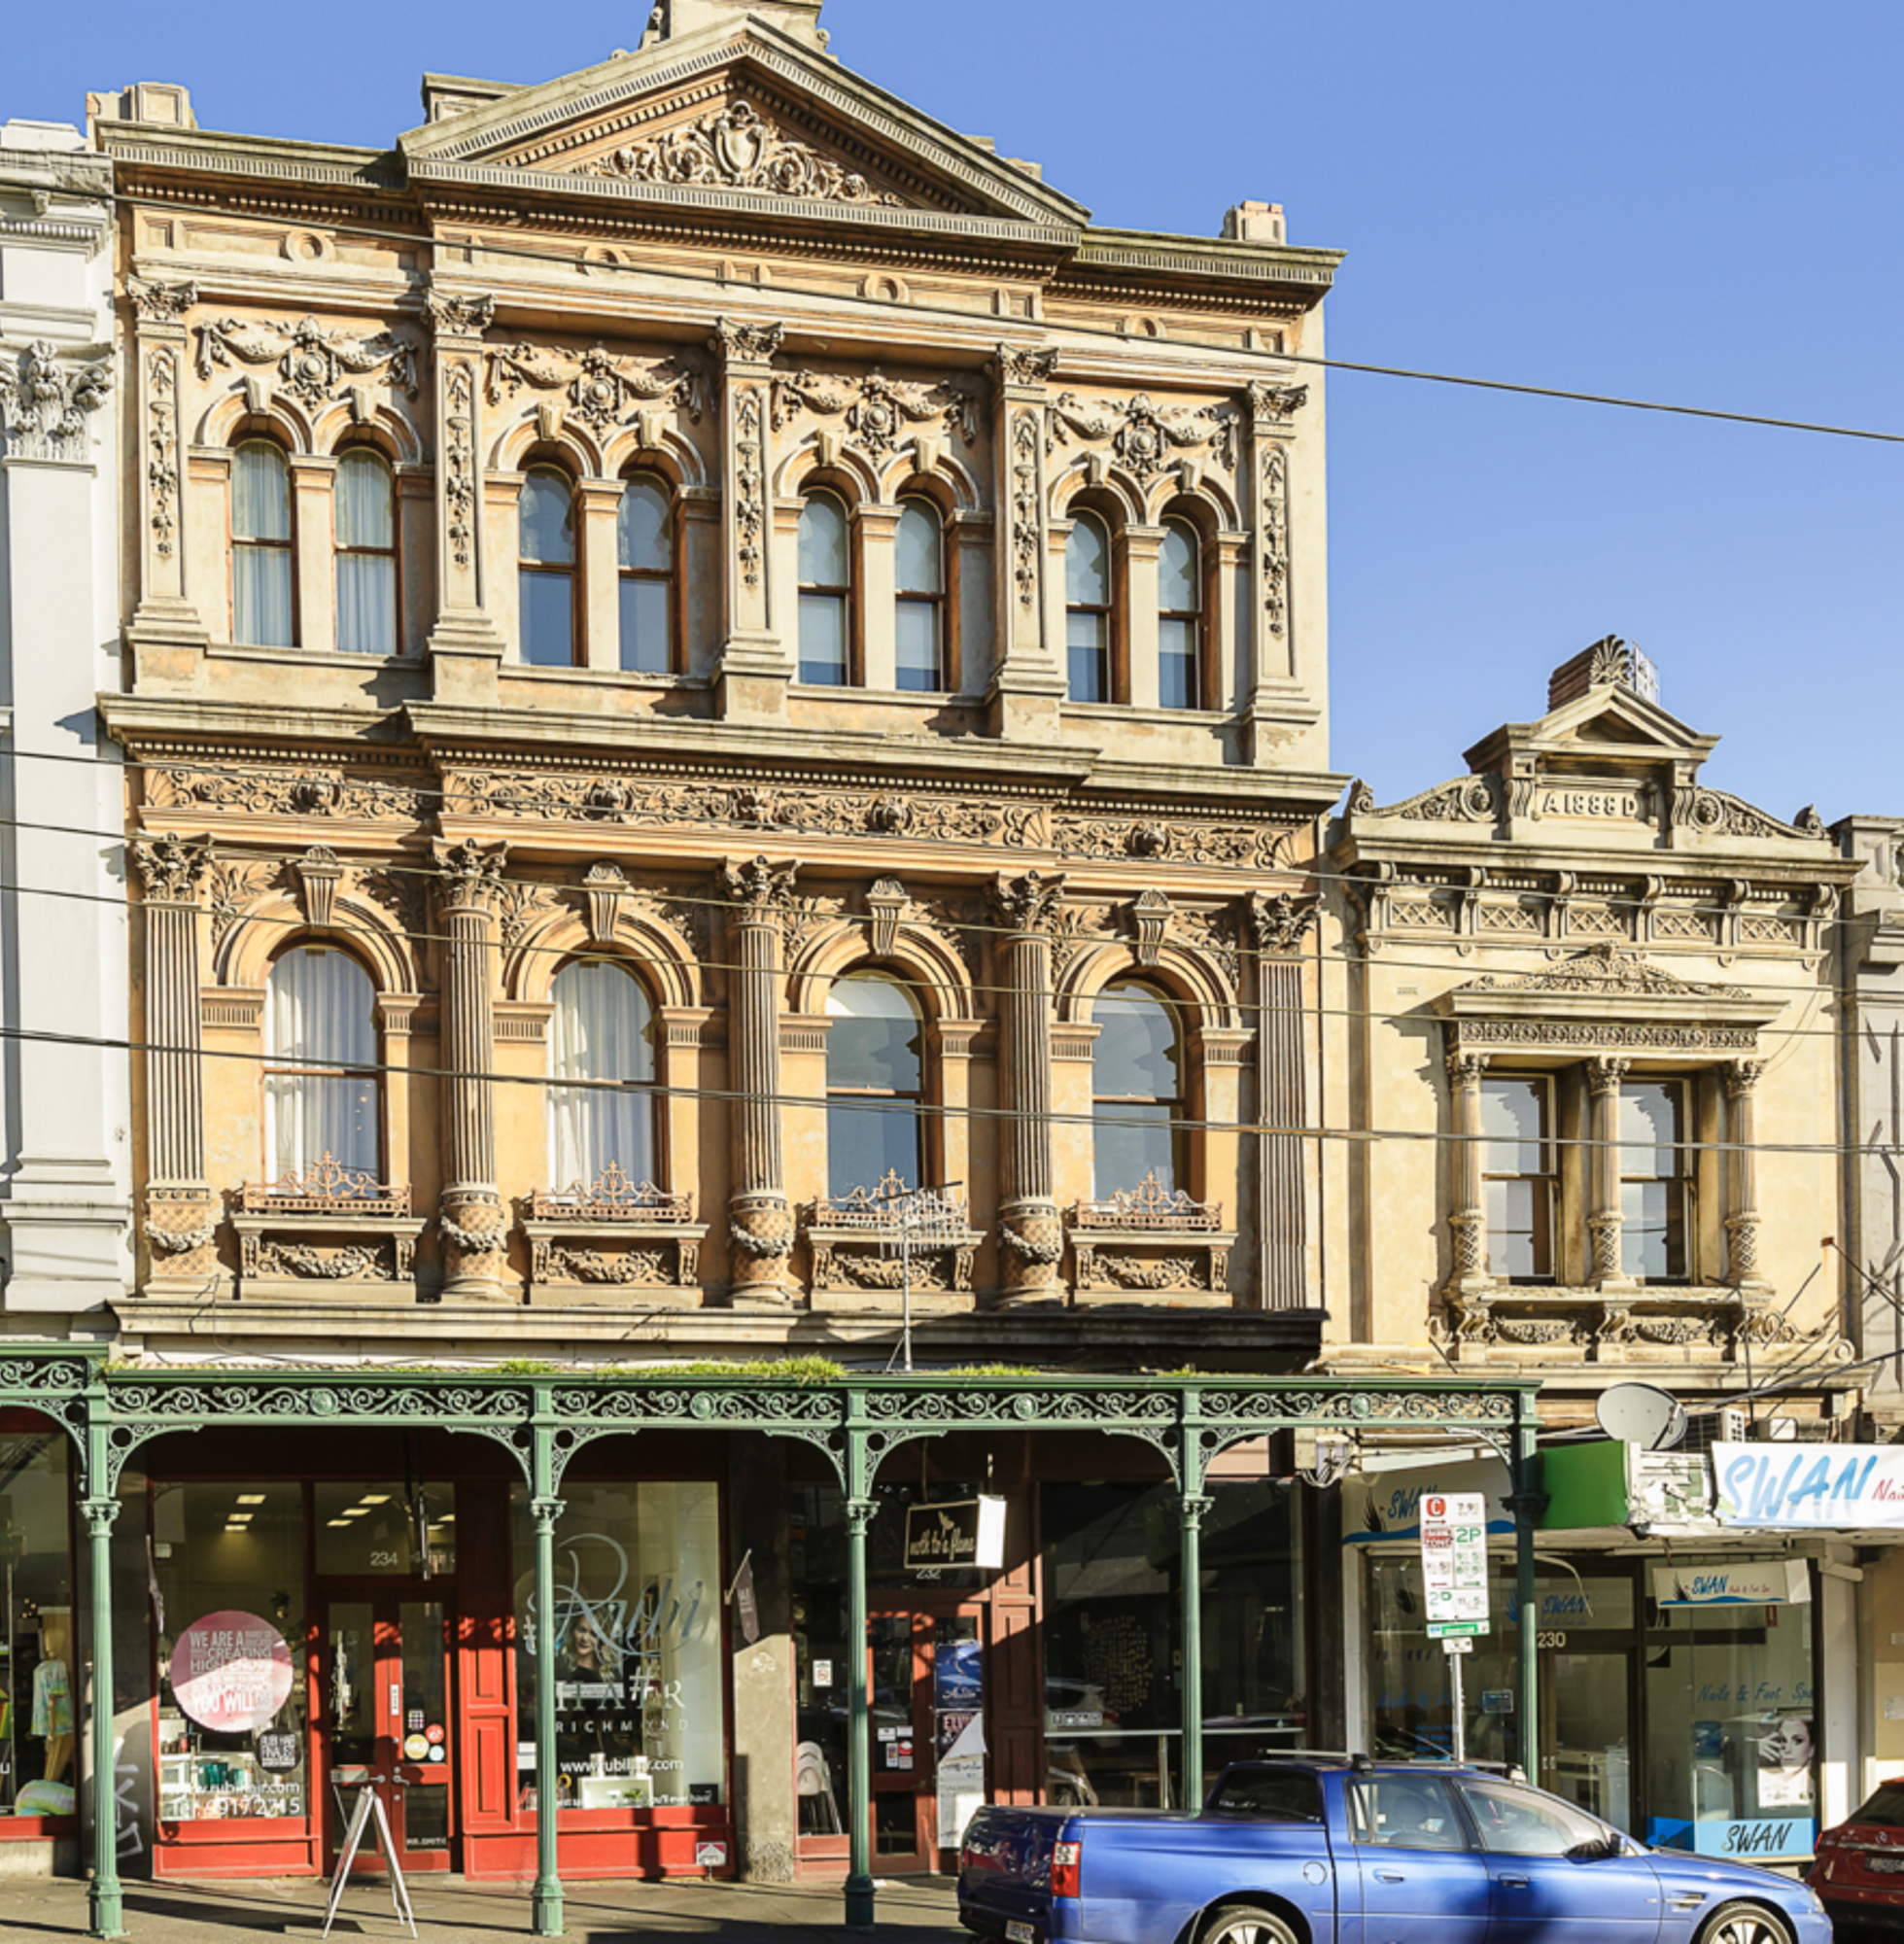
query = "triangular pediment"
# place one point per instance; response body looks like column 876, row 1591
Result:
column 1609, row 722
column 751, row 119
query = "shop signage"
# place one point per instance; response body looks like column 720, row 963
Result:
column 1835, row 1487
column 231, row 1673
column 968, row 1532
column 1454, row 1563
column 1761, row 1583
column 1385, row 1503
column 277, row 1755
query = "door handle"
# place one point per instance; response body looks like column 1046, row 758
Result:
column 1389, row 1876
column 1511, row 1882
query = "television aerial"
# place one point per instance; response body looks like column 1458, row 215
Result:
column 1641, row 1415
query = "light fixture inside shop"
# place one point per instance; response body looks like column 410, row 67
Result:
column 251, row 1497
column 375, row 1499
column 342, row 1522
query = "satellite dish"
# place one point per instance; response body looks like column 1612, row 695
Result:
column 1641, row 1415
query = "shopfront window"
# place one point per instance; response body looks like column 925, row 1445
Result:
column 230, row 1559
column 384, row 1527
column 1731, row 1745
column 636, row 1639
column 39, row 1680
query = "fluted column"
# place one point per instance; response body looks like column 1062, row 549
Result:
column 1028, row 682
column 1031, row 1237
column 759, row 1221
column 1278, row 926
column 474, row 1227
column 181, row 1220
column 466, row 647
column 1468, row 1219
column 756, row 664
column 1742, row 1078
column 1604, row 1077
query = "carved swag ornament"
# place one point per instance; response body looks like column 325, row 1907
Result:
column 312, row 361
column 737, row 148
column 602, row 391
column 877, row 409
column 1144, row 437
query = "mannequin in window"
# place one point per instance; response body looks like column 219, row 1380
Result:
column 52, row 1691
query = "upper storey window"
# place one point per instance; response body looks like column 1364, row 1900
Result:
column 602, row 1031
column 1180, row 618
column 875, row 1078
column 1087, row 610
column 546, row 575
column 320, row 1064
column 260, row 548
column 364, row 512
column 1137, row 1090
column 1655, row 1182
column 826, row 592
column 1517, row 1177
column 644, row 545
column 920, row 583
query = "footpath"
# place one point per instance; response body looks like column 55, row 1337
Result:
column 919, row 1910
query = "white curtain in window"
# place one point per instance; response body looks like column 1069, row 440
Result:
column 319, row 1013
column 367, row 579
column 261, row 550
column 603, row 1028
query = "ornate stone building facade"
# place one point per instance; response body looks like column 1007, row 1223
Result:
column 705, row 654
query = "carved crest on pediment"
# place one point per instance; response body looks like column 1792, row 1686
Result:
column 1602, row 971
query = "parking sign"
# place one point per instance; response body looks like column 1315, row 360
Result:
column 1454, row 1563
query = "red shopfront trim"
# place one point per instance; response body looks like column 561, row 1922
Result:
column 38, row 1829
column 608, row 1843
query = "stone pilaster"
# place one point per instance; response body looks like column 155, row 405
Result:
column 1604, row 1077
column 1028, row 685
column 473, row 1223
column 181, row 1218
column 756, row 666
column 1742, row 1078
column 1030, row 1234
column 167, row 635
column 1271, row 622
column 464, row 646
column 760, row 1221
column 1468, row 1221
column 1278, row 926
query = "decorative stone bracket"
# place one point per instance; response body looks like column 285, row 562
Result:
column 1507, row 1321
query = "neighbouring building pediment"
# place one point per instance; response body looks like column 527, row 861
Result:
column 752, row 114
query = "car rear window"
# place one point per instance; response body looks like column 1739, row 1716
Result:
column 1284, row 1796
column 1885, row 1809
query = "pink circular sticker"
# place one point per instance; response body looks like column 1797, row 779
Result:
column 231, row 1671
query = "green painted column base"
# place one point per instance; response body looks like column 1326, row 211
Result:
column 547, row 1907
column 860, row 1897
column 107, row 1911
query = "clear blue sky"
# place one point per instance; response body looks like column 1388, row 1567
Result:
column 1697, row 201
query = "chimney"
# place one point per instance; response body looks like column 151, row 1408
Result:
column 162, row 102
column 1610, row 662
column 1255, row 223
column 673, row 19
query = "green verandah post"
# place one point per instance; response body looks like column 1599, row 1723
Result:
column 545, row 1507
column 104, row 1901
column 860, row 1508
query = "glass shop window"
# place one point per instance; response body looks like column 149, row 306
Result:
column 385, row 1527
column 229, row 1557
column 39, row 1675
column 636, row 1633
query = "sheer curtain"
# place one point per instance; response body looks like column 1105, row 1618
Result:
column 366, row 556
column 260, row 548
column 318, row 1010
column 603, row 1028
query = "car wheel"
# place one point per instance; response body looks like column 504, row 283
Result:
column 1250, row 1924
column 1745, row 1923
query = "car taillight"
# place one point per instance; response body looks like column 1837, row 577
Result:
column 1068, row 1869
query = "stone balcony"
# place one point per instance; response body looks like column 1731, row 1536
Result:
column 1149, row 1243
column 602, row 1241
column 325, row 1233
column 858, row 1259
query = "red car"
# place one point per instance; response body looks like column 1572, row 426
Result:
column 1859, row 1871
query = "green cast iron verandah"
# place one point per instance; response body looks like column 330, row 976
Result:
column 544, row 1419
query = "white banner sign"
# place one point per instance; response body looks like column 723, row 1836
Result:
column 1762, row 1582
column 1833, row 1487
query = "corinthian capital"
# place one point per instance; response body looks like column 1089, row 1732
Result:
column 1014, row 364
column 170, row 869
column 753, row 884
column 45, row 402
column 160, row 303
column 1277, row 404
column 1280, row 923
column 457, row 316
column 472, row 871
column 1030, row 903
column 740, row 343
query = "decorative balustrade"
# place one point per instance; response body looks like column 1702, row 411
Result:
column 1150, row 1242
column 855, row 1246
column 322, row 1232
column 594, row 1242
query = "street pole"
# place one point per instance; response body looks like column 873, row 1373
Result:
column 860, row 1892
column 1527, row 1504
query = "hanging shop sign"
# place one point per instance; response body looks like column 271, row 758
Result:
column 1830, row 1487
column 968, row 1532
column 231, row 1673
column 1756, row 1582
column 1384, row 1502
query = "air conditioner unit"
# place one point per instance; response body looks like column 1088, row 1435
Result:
column 1707, row 1428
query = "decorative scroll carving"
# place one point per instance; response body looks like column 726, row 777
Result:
column 313, row 363
column 46, row 404
column 237, row 883
column 1011, row 365
column 459, row 458
column 289, row 792
column 1466, row 800
column 160, row 303
column 1143, row 436
column 347, row 1262
column 750, row 484
column 168, row 868
column 1025, row 468
column 455, row 316
column 737, row 148
column 1182, row 840
column 1272, row 537
column 1604, row 971
column 602, row 391
column 523, row 906
column 1717, row 814
column 1078, row 929
column 163, row 449
column 1218, row 936
column 876, row 409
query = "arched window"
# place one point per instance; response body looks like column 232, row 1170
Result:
column 603, row 1030
column 920, row 580
column 1137, row 1090
column 546, row 576
column 260, row 548
column 875, row 1076
column 320, row 1064
column 644, row 547
column 826, row 592
column 1180, row 618
column 365, row 519
column 1087, row 610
